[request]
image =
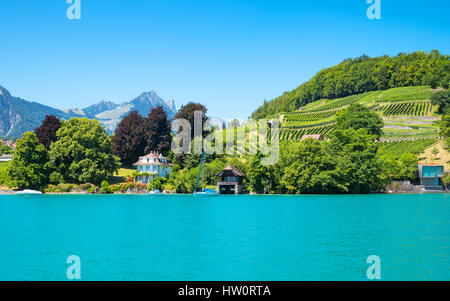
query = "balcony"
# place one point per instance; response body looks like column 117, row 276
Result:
column 227, row 183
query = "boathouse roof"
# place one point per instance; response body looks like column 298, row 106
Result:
column 232, row 169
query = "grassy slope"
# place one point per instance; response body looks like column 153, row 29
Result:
column 442, row 158
column 407, row 113
column 417, row 123
column 121, row 175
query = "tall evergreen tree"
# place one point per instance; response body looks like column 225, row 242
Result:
column 46, row 133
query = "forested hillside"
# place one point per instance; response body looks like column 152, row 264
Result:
column 364, row 74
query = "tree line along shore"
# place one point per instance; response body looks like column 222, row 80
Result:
column 77, row 156
column 372, row 136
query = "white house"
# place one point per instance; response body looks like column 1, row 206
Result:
column 5, row 158
column 153, row 163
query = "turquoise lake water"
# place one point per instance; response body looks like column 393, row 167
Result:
column 130, row 237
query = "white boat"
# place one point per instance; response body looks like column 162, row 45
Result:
column 154, row 192
column 28, row 192
column 206, row 192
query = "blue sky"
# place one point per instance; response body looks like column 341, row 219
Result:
column 229, row 55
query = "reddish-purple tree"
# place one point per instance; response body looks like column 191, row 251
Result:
column 46, row 133
column 129, row 138
column 157, row 135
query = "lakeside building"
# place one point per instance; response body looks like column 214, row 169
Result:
column 430, row 176
column 318, row 137
column 11, row 145
column 153, row 163
column 231, row 182
column 5, row 158
column 8, row 143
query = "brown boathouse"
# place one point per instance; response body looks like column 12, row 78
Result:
column 231, row 181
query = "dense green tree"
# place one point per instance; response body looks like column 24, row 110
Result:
column 158, row 183
column 446, row 180
column 347, row 163
column 398, row 168
column 358, row 117
column 46, row 133
column 157, row 131
column 307, row 169
column 357, row 167
column 5, row 149
column 444, row 129
column 184, row 180
column 4, row 176
column 129, row 138
column 442, row 99
column 408, row 166
column 258, row 175
column 105, row 188
column 187, row 112
column 29, row 167
column 83, row 153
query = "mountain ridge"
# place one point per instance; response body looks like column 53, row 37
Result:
column 18, row 115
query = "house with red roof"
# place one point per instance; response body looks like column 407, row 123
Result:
column 155, row 164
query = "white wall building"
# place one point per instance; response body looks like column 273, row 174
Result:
column 153, row 163
column 5, row 158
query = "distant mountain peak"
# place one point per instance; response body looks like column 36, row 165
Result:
column 150, row 93
column 74, row 111
column 4, row 92
column 171, row 104
column 18, row 115
column 103, row 102
column 99, row 107
column 147, row 97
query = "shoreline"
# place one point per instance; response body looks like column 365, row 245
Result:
column 180, row 194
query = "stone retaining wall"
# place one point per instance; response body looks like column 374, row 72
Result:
column 403, row 186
